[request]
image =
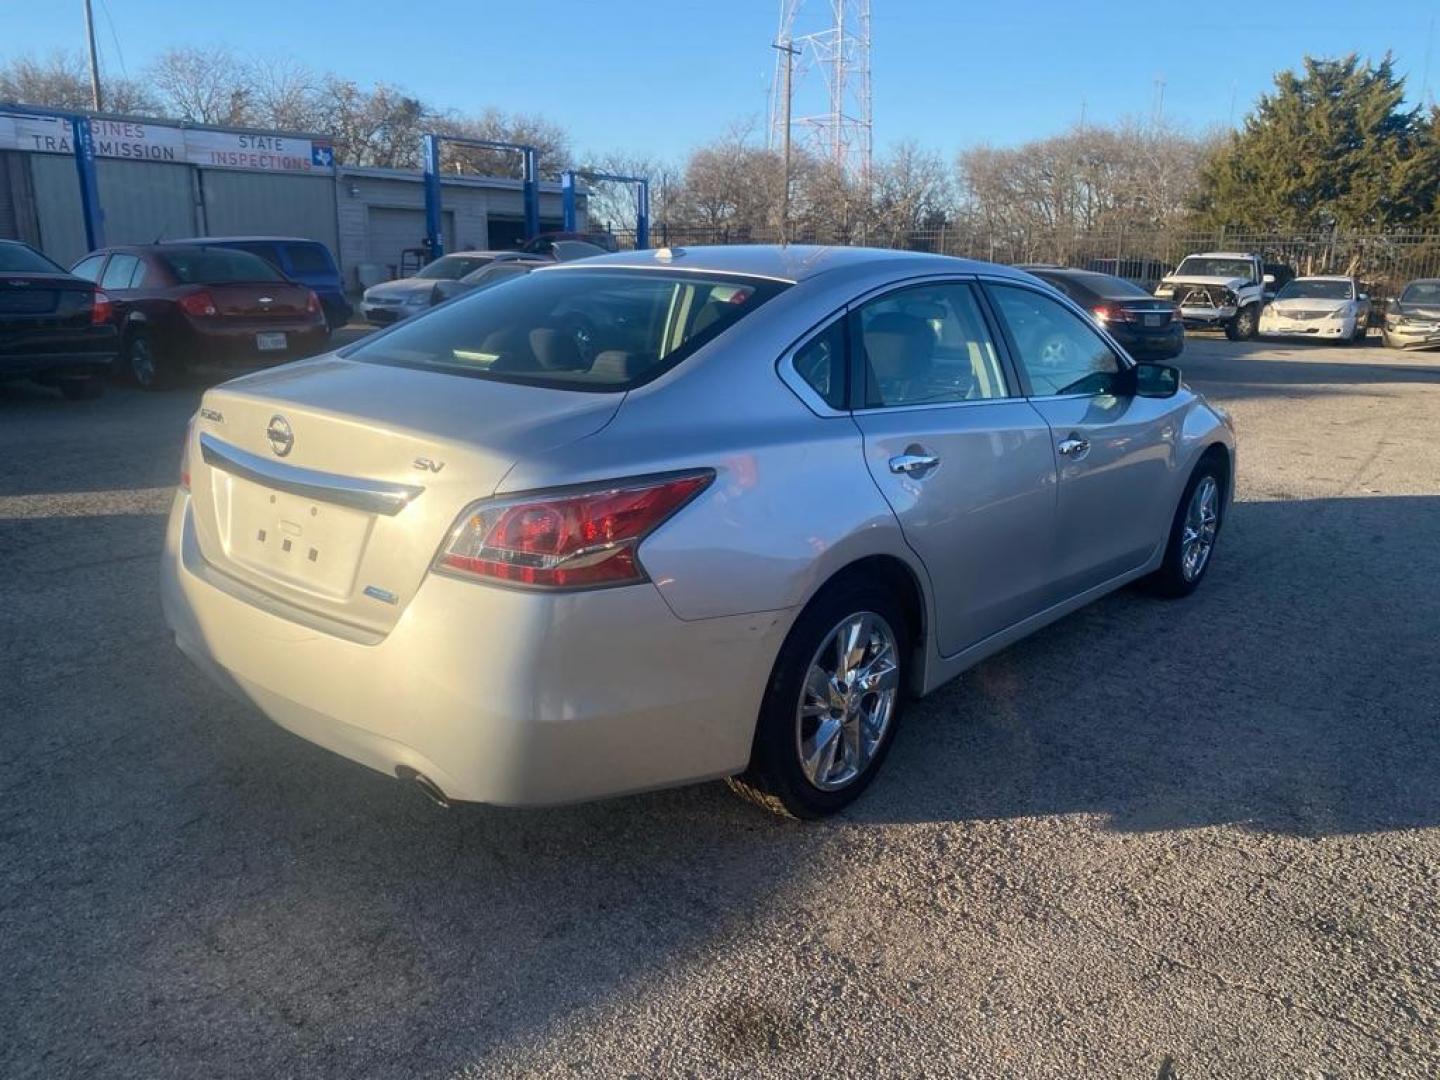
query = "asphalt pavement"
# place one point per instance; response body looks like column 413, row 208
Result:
column 1158, row 839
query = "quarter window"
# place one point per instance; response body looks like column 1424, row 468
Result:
column 1056, row 349
column 89, row 269
column 927, row 345
column 821, row 363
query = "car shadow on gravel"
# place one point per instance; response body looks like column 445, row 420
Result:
column 1248, row 369
column 189, row 890
column 1296, row 692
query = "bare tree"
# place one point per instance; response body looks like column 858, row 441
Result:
column 380, row 126
column 205, row 85
column 61, row 80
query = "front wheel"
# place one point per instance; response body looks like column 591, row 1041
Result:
column 832, row 705
column 1193, row 532
column 1244, row 325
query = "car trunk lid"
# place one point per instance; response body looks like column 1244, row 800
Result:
column 261, row 301
column 330, row 484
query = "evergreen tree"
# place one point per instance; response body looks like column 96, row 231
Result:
column 1333, row 147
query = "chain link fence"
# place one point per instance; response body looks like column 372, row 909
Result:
column 1383, row 262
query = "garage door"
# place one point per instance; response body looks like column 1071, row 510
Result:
column 9, row 219
column 391, row 230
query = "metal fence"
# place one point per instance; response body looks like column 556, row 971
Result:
column 1383, row 262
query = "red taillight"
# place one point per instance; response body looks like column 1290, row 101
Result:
column 312, row 303
column 1108, row 313
column 571, row 539
column 101, row 308
column 185, row 456
column 198, row 303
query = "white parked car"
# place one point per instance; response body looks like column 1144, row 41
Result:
column 659, row 517
column 1328, row 308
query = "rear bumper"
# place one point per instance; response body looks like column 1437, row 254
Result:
column 1152, row 345
column 237, row 344
column 498, row 696
column 90, row 350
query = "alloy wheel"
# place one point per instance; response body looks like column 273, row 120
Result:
column 847, row 701
column 1202, row 520
column 142, row 362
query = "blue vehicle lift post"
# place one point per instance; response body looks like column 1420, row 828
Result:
column 83, row 141
column 642, row 201
column 529, row 187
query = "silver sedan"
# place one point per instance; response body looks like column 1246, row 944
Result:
column 663, row 517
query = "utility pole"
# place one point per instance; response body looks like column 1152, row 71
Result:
column 94, row 57
column 790, row 53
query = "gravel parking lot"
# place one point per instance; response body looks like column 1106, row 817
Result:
column 1193, row 839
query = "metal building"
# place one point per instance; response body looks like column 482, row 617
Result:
column 158, row 178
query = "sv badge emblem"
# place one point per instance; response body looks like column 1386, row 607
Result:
column 428, row 464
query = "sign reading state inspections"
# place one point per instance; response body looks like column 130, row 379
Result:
column 138, row 140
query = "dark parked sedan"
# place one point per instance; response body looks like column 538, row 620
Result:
column 1148, row 328
column 176, row 306
column 55, row 328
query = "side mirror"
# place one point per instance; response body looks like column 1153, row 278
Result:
column 1154, row 380
column 1363, row 296
column 1269, row 279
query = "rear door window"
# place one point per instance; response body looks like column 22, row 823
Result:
column 581, row 329
column 118, row 274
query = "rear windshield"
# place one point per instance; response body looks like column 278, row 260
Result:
column 216, row 266
column 18, row 258
column 1105, row 286
column 309, row 259
column 452, row 267
column 586, row 329
column 1300, row 288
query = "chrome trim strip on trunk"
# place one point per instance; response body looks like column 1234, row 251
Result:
column 376, row 496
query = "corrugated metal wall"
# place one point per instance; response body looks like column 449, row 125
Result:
column 249, row 203
column 57, row 207
column 9, row 215
column 145, row 201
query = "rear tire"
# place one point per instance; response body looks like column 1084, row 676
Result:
column 87, row 388
column 829, row 714
column 146, row 366
column 1197, row 521
column 1245, row 323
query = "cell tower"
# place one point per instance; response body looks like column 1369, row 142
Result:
column 839, row 50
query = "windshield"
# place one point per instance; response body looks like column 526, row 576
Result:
column 1317, row 289
column 1206, row 266
column 573, row 329
column 452, row 267
column 217, row 266
column 18, row 258
column 1422, row 292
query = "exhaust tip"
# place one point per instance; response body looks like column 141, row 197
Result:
column 427, row 786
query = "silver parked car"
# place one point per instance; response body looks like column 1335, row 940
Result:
column 661, row 517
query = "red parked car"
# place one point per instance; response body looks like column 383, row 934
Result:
column 180, row 305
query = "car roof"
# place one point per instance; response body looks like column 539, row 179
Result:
column 791, row 263
column 1322, row 277
column 201, row 241
column 1222, row 255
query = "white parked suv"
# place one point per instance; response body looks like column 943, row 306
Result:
column 1219, row 288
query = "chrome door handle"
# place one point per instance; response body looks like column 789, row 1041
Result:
column 910, row 464
column 1074, row 446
